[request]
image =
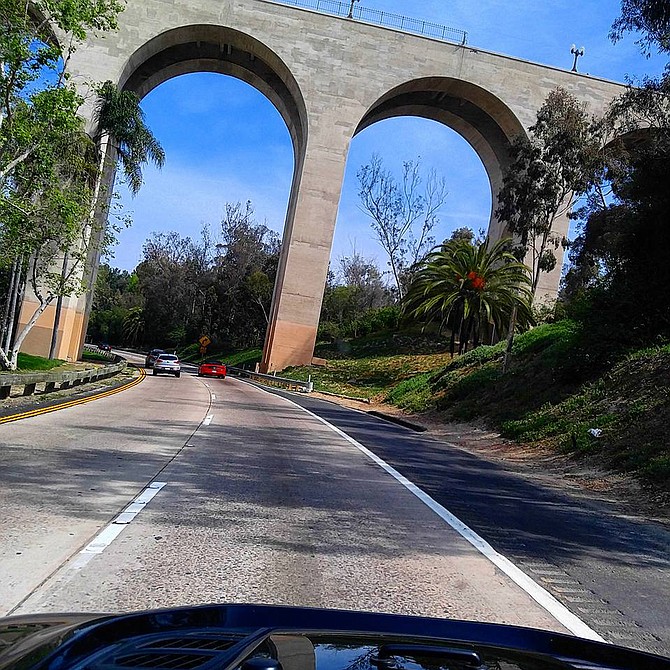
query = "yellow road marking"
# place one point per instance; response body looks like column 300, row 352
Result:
column 73, row 403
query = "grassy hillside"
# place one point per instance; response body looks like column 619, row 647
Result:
column 550, row 394
column 370, row 366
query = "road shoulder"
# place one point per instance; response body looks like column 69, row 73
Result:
column 579, row 476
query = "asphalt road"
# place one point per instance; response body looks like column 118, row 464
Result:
column 261, row 503
column 264, row 503
column 609, row 568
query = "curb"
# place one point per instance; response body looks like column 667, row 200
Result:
column 344, row 397
column 38, row 411
column 417, row 428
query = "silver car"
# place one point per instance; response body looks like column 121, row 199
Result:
column 167, row 363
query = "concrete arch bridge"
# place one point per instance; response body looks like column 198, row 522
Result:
column 329, row 77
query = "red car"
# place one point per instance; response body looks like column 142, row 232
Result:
column 212, row 369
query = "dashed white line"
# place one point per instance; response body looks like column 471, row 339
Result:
column 107, row 535
column 94, row 548
column 208, row 420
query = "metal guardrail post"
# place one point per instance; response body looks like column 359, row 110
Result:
column 29, row 389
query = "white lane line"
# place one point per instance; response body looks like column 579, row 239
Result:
column 540, row 595
column 94, row 548
column 213, row 396
column 107, row 535
column 208, row 420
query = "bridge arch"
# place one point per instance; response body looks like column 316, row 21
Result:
column 222, row 50
column 329, row 77
column 476, row 114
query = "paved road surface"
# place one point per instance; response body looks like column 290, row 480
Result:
column 611, row 569
column 263, row 503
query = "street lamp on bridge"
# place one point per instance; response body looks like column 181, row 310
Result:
column 351, row 9
column 576, row 53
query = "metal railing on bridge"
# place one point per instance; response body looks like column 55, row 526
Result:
column 377, row 17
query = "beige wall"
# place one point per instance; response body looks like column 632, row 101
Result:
column 38, row 340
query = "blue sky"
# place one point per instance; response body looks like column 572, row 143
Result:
column 226, row 142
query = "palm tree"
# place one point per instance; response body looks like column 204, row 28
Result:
column 133, row 325
column 119, row 115
column 121, row 121
column 469, row 286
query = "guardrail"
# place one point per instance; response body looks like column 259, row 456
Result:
column 64, row 380
column 93, row 349
column 406, row 24
column 273, row 380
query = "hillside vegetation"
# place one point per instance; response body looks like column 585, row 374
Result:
column 548, row 396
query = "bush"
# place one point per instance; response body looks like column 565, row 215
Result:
column 329, row 331
column 372, row 322
column 414, row 394
column 480, row 355
column 375, row 321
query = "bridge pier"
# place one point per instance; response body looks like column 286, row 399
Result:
column 329, row 78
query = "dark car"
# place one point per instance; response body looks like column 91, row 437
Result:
column 212, row 369
column 152, row 356
column 257, row 637
column 103, row 346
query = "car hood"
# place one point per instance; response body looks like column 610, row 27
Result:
column 256, row 637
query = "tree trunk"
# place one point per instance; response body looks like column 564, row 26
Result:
column 44, row 303
column 59, row 308
column 510, row 339
column 454, row 330
column 265, row 314
column 396, row 276
column 8, row 302
column 14, row 305
column 5, row 363
column 463, row 348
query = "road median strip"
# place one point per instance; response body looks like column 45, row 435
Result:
column 73, row 403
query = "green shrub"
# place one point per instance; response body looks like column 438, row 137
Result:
column 413, row 394
column 480, row 355
column 473, row 383
column 658, row 470
column 95, row 357
column 329, row 331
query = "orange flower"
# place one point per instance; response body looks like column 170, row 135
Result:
column 477, row 281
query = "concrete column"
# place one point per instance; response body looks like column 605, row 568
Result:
column 308, row 237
